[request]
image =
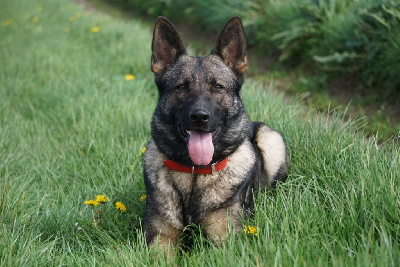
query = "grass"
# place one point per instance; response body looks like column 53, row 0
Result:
column 342, row 37
column 72, row 127
column 316, row 91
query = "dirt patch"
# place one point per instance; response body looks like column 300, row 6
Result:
column 86, row 4
column 347, row 90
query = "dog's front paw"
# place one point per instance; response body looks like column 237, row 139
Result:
column 220, row 223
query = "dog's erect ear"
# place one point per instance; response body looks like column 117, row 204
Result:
column 231, row 46
column 167, row 46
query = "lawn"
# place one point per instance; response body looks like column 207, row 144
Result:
column 73, row 123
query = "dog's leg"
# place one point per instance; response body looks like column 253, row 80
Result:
column 162, row 221
column 161, row 234
column 273, row 153
column 219, row 223
column 167, row 234
column 164, row 243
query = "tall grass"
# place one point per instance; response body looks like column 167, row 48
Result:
column 72, row 127
column 346, row 36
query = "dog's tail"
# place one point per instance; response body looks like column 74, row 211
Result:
column 272, row 148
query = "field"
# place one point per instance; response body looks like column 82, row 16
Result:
column 76, row 98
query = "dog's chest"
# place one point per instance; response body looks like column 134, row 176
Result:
column 187, row 197
column 199, row 193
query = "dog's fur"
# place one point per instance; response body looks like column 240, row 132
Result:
column 207, row 88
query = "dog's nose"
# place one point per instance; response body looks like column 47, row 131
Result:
column 199, row 116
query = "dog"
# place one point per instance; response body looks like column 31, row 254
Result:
column 206, row 161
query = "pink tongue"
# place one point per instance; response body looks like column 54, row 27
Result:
column 201, row 148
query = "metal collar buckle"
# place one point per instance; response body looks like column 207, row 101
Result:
column 213, row 170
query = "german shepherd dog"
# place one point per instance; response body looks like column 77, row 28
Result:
column 206, row 161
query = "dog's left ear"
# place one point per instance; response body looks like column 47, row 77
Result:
column 167, row 46
column 231, row 46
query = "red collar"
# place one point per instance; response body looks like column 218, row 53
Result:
column 210, row 169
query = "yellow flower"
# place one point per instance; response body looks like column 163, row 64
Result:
column 102, row 199
column 129, row 77
column 143, row 197
column 143, row 150
column 248, row 229
column 120, row 206
column 39, row 8
column 77, row 15
column 35, row 19
column 66, row 29
column 71, row 19
column 7, row 22
column 95, row 29
column 91, row 203
column 86, row 14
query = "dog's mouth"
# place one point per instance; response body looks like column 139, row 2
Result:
column 200, row 145
column 185, row 134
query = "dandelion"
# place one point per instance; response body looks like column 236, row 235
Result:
column 66, row 29
column 77, row 15
column 120, row 206
column 143, row 197
column 71, row 19
column 39, row 8
column 102, row 199
column 91, row 203
column 248, row 229
column 95, row 29
column 35, row 19
column 7, row 22
column 129, row 77
column 143, row 150
column 86, row 14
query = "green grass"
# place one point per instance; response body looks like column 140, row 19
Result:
column 378, row 119
column 71, row 128
column 342, row 37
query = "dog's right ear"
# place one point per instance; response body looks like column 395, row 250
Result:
column 231, row 46
column 167, row 46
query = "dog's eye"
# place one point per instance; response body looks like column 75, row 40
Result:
column 218, row 86
column 181, row 87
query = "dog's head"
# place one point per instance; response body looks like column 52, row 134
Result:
column 199, row 106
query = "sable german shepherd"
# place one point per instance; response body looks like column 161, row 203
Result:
column 206, row 161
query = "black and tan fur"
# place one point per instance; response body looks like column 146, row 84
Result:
column 257, row 153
